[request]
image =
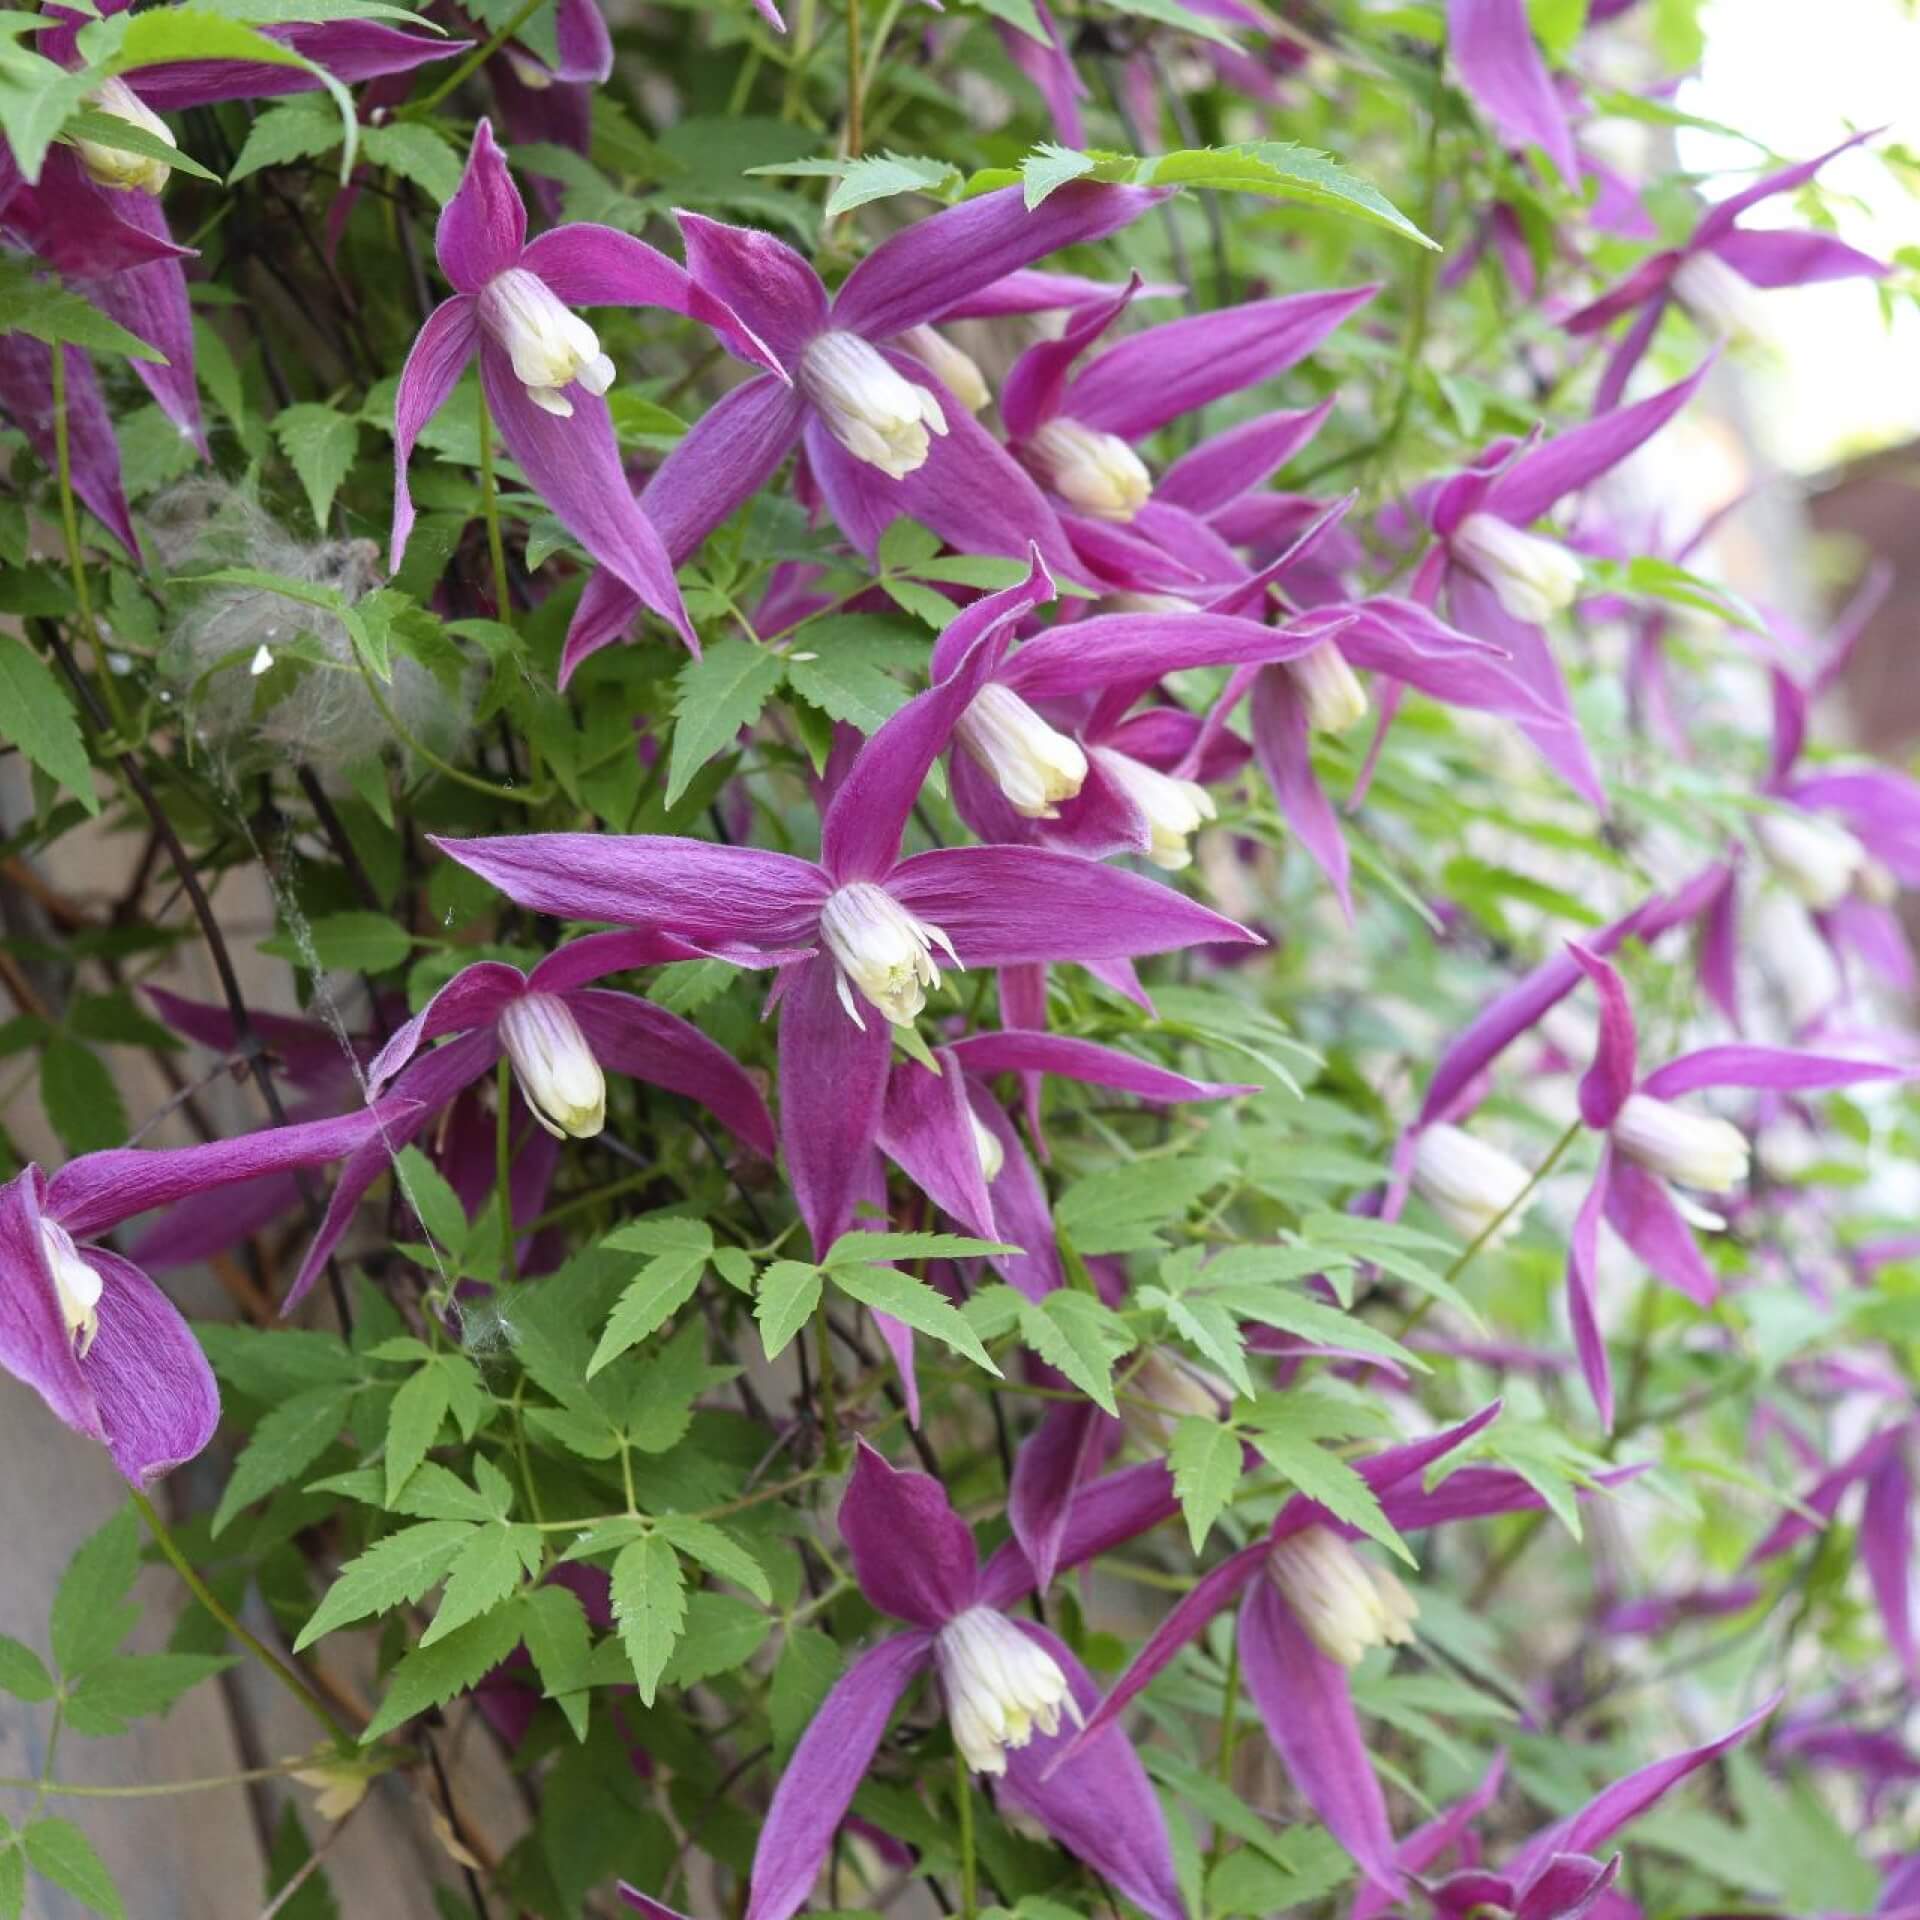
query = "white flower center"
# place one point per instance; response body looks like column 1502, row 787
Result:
column 115, row 166
column 881, row 949
column 1817, row 859
column 528, row 71
column 875, row 412
column 1175, row 809
column 986, row 1143
column 1696, row 1149
column 1035, row 766
column 75, row 1283
column 1095, row 472
column 1722, row 299
column 1468, row 1183
column 999, row 1685
column 1329, row 689
column 1534, row 578
column 549, row 344
column 957, row 371
column 1128, row 601
column 1347, row 1605
column 558, row 1075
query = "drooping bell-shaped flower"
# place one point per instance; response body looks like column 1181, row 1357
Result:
column 1174, row 809
column 555, row 1067
column 868, row 405
column 956, row 369
column 1468, row 1183
column 881, row 951
column 1534, row 577
column 1817, row 858
column 1691, row 1149
column 1093, row 471
column 1329, row 689
column 549, row 345
column 108, row 166
column 1034, row 764
column 1347, row 1604
column 1000, row 1687
column 1722, row 299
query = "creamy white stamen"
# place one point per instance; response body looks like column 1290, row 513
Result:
column 1000, row 1687
column 1175, row 809
column 558, row 1074
column 1127, row 601
column 528, row 71
column 1468, row 1183
column 955, row 369
column 1534, row 578
column 549, row 344
column 871, row 408
column 1818, row 859
column 76, row 1285
column 1722, row 299
column 882, row 950
column 115, row 166
column 1347, row 1604
column 1035, row 766
column 1696, row 1149
column 1095, row 472
column 1329, row 689
column 986, row 1143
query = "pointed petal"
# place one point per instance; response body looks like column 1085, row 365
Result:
column 1033, row 290
column 1608, row 1082
column 939, row 262
column 437, row 359
column 1030, row 395
column 1099, row 1805
column 83, row 229
column 308, row 1052
column 1226, row 465
column 1566, row 1886
column 926, row 1128
column 483, row 228
column 350, row 50
column 775, row 294
column 1106, row 1513
column 1641, row 1211
column 1283, row 744
column 1113, row 648
column 1886, row 1545
column 1019, row 1050
column 1493, row 46
column 582, row 41
column 634, row 1037
column 1153, row 377
column 1785, row 257
column 595, row 955
column 26, row 398
column 1001, row 906
column 1583, row 1273
column 1307, row 1705
column 1723, row 213
column 825, row 1772
column 694, row 888
column 833, row 1083
column 1782, row 1069
column 912, row 1554
column 151, row 301
column 1048, row 1469
column 35, row 1346
column 1022, row 1216
column 476, row 996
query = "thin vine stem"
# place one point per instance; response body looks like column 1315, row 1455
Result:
column 474, row 61
column 490, row 507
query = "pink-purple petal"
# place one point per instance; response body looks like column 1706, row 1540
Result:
column 483, row 228
column 1492, row 45
column 776, row 295
column 435, row 362
column 912, row 1554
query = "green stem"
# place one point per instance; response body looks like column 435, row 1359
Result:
column 286, row 1674
column 1229, row 1739
column 829, row 1388
column 70, row 528
column 503, row 1167
column 969, row 1876
column 490, row 507
column 856, row 92
column 58, row 1790
column 521, row 797
column 474, row 61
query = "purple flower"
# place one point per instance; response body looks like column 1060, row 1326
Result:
column 560, row 1035
column 878, row 927
column 86, row 1329
column 1007, row 1685
column 541, row 367
column 1653, row 1145
column 1500, row 66
column 1715, row 275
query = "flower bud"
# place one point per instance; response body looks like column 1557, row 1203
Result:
column 1128, row 601
column 531, row 74
column 1817, row 859
column 1094, row 472
column 549, row 344
column 1347, row 1605
column 558, row 1074
column 1467, row 1183
column 1034, row 765
column 1175, row 809
column 1533, row 577
column 1695, row 1149
column 76, row 1285
column 1329, row 689
column 1176, row 1390
column 109, row 166
column 872, row 409
column 986, row 1143
column 1723, row 300
column 956, row 370
column 883, row 950
column 999, row 1687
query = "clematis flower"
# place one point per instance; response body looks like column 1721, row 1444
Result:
column 1553, row 1875
column 553, row 104
column 1310, row 1607
column 93, row 450
column 1653, row 1145
column 1502, row 581
column 91, row 1333
column 878, row 927
column 1468, row 1183
column 560, row 1035
column 1007, row 1686
column 1499, row 63
column 1718, row 274
column 541, row 367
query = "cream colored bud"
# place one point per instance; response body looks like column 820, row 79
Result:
column 1034, row 765
column 882, row 950
column 1175, row 809
column 108, row 166
column 1817, row 859
column 1176, row 1390
column 868, row 405
column 1469, row 1184
column 76, row 1285
column 955, row 369
column 1347, row 1604
column 1000, row 1687
column 986, row 1144
column 1723, row 300
column 549, row 344
column 1533, row 577
column 1695, row 1149
column 1096, row 473
column 1329, row 689
column 559, row 1077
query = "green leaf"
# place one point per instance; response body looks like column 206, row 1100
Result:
column 562, row 1649
column 848, row 667
column 888, row 1290
column 1124, row 1209
column 111, row 1696
column 58, row 1851
column 660, row 1289
column 352, row 942
column 1392, row 1248
column 486, row 1572
column 718, row 694
column 1170, row 13
column 1205, row 1458
column 417, row 153
column 300, row 130
column 431, row 1675
column 1325, row 1477
column 880, row 176
column 91, row 1613
column 1082, row 1337
column 395, row 1572
column 272, row 1365
column 46, row 311
column 13, row 1881
column 22, row 1672
column 1050, row 166
column 1018, row 14
column 36, row 96
column 110, row 130
column 435, row 1204
column 37, row 716
column 789, row 1292
column 803, row 1676
column 413, row 1424
column 1211, row 1329
column 718, row 1552
column 860, row 1249
column 649, row 1608
column 82, row 1102
column 1281, row 170
column 287, row 1441
column 320, row 444
column 722, row 1634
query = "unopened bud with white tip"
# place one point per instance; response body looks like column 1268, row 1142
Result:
column 869, row 406
column 1347, row 1604
column 1534, row 578
column 110, row 166
column 1468, row 1183
column 1174, row 809
column 1694, row 1149
column 558, row 1074
column 1329, row 689
column 1001, row 1687
column 76, row 1285
column 882, row 950
column 549, row 345
column 1034, row 765
column 1094, row 472
column 956, row 370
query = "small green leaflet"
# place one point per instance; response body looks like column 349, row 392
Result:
column 91, row 1611
column 416, row 152
column 789, row 1292
column 78, row 1091
column 649, row 1607
column 397, row 1571
column 1205, row 1458
column 320, row 444
column 660, row 1289
column 888, row 1290
column 58, row 1851
column 300, row 130
column 110, row 130
column 413, row 1423
column 1019, row 14
column 719, row 693
column 286, row 1442
column 22, row 1673
column 111, row 1696
column 875, row 176
column 1083, row 1338
column 562, row 1647
column 47, row 312
column 431, row 1675
column 1325, row 1477
column 718, row 1552
column 804, row 1674
column 38, row 717
column 486, row 1572
column 353, row 942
